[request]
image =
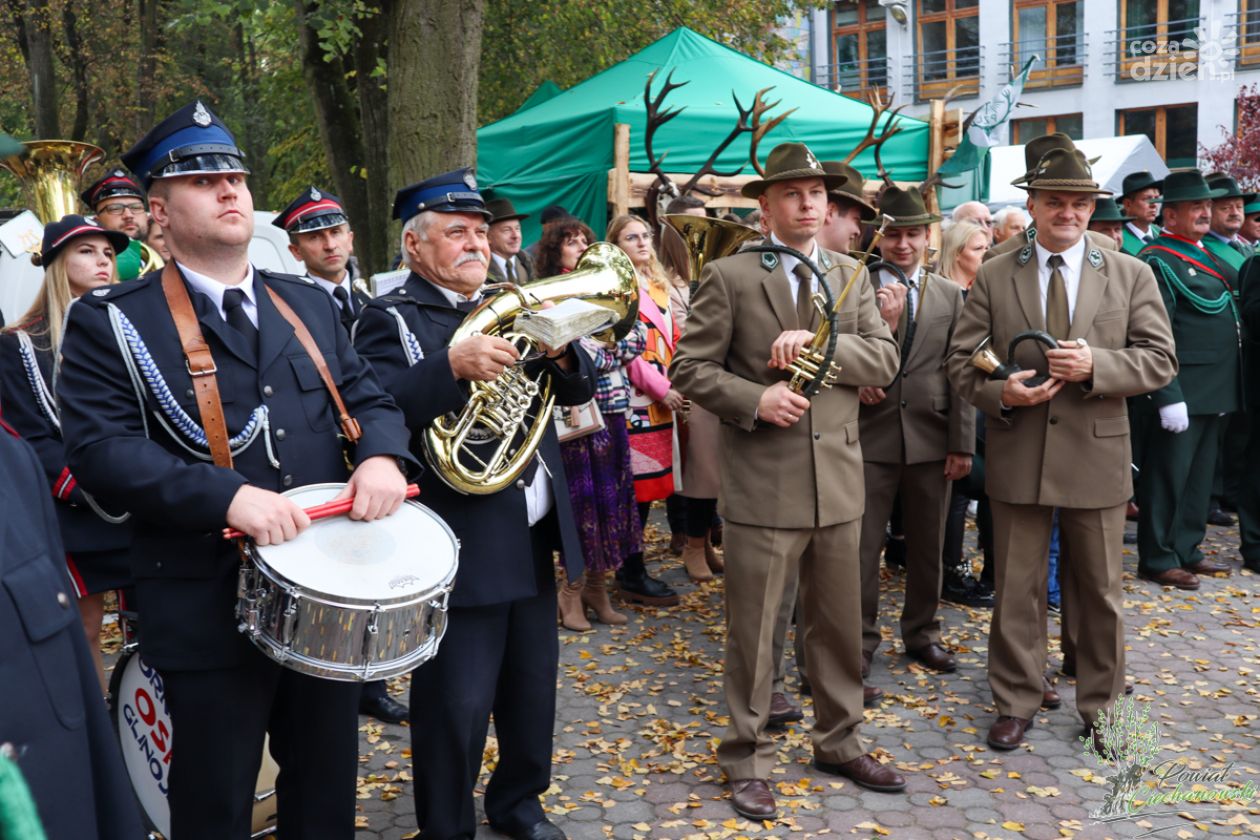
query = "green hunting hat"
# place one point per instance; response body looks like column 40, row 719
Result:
column 1138, row 181
column 501, row 210
column 1251, row 204
column 906, row 208
column 788, row 162
column 1188, row 185
column 1221, row 181
column 1107, row 210
column 852, row 188
column 1063, row 170
column 1037, row 147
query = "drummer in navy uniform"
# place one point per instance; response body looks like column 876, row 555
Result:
column 138, row 437
column 119, row 203
column 320, row 236
column 500, row 652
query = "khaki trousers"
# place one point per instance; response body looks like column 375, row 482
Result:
column 759, row 565
column 924, row 500
column 788, row 607
column 1091, row 549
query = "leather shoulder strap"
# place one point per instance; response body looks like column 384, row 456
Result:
column 200, row 364
column 349, row 426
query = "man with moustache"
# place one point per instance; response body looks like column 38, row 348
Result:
column 500, row 653
column 1180, row 453
column 1139, row 198
column 1063, row 444
column 1222, row 238
column 118, row 203
column 790, row 469
column 188, row 399
column 509, row 263
column 918, row 437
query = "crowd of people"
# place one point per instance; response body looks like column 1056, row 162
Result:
column 166, row 408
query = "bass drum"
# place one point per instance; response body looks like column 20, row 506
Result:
column 138, row 710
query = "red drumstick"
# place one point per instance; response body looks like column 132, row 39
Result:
column 324, row 511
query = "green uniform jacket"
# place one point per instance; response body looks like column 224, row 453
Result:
column 1227, row 253
column 1132, row 245
column 1209, row 378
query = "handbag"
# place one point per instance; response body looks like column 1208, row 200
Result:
column 577, row 421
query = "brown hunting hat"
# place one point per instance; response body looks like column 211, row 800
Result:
column 1063, row 171
column 852, row 188
column 789, row 162
column 502, row 210
column 1036, row 149
column 906, row 208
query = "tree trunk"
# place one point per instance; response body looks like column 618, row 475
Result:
column 434, row 61
column 152, row 40
column 77, row 60
column 33, row 23
column 377, row 248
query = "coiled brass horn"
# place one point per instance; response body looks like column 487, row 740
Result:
column 491, row 441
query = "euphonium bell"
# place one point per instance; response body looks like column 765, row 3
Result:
column 50, row 172
column 708, row 239
column 477, row 451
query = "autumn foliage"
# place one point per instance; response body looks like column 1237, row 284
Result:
column 1239, row 152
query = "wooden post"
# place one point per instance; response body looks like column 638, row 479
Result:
column 936, row 157
column 619, row 189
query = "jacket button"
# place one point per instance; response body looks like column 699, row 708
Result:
column 817, row 436
column 287, row 481
column 267, row 392
column 520, row 484
column 189, row 393
column 158, row 564
column 63, row 599
column 279, row 434
column 903, row 403
column 1054, row 420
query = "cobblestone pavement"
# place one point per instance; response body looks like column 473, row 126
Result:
column 640, row 710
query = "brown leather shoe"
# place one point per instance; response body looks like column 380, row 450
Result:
column 1007, row 732
column 871, row 695
column 1180, row 578
column 753, row 800
column 1131, row 512
column 866, row 772
column 782, row 712
column 866, row 664
column 1209, row 567
column 935, row 657
column 1050, row 698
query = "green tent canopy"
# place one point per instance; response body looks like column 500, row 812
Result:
column 546, row 90
column 559, row 151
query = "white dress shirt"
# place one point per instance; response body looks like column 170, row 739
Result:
column 329, row 286
column 789, row 267
column 538, row 498
column 912, row 294
column 214, row 290
column 1136, row 231
column 1070, row 270
column 502, row 263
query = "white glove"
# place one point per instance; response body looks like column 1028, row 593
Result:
column 1174, row 418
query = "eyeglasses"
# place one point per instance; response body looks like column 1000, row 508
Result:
column 119, row 209
column 638, row 237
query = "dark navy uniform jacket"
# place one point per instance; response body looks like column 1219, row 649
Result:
column 185, row 573
column 495, row 559
column 50, row 706
column 81, row 529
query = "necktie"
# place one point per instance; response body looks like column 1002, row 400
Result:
column 804, row 296
column 510, row 266
column 347, row 306
column 466, row 305
column 234, row 314
column 1057, row 322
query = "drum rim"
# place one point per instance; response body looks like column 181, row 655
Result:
column 335, row 600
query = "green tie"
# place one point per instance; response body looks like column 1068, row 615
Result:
column 1057, row 322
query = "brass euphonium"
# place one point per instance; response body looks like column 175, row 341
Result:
column 477, row 451
column 50, row 172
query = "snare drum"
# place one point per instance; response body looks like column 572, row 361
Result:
column 138, row 711
column 351, row 601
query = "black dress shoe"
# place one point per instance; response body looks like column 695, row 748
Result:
column 965, row 591
column 1216, row 516
column 544, row 829
column 645, row 589
column 383, row 707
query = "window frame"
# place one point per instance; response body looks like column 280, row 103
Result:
column 1051, row 122
column 968, row 85
column 1161, row 123
column 1050, row 73
column 862, row 29
column 1162, row 63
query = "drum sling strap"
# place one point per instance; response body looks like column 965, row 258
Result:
column 202, row 369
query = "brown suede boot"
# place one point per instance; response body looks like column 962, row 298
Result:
column 572, row 613
column 695, row 558
column 595, row 596
column 717, row 564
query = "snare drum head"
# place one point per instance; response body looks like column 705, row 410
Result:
column 401, row 556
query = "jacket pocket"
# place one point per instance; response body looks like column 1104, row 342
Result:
column 1111, row 426
column 48, row 615
column 940, row 402
column 1110, row 315
column 316, row 401
column 851, row 432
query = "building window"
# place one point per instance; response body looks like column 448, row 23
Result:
column 1055, row 31
column 859, row 48
column 1157, row 39
column 1024, row 130
column 1248, row 32
column 1174, row 129
column 949, row 47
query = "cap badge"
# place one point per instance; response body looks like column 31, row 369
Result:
column 200, row 115
column 811, row 160
column 315, row 194
column 100, row 292
column 470, row 180
column 118, row 173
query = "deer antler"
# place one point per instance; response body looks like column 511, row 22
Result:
column 657, row 117
column 891, row 127
column 759, row 108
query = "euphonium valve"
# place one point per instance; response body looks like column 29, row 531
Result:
column 488, row 444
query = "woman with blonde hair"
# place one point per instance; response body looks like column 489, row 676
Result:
column 78, row 256
column 962, row 251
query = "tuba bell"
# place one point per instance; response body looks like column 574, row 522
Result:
column 708, row 239
column 50, row 172
column 476, row 451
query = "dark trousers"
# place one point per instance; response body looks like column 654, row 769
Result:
column 1231, row 465
column 499, row 659
column 1173, row 493
column 1249, row 495
column 219, row 719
